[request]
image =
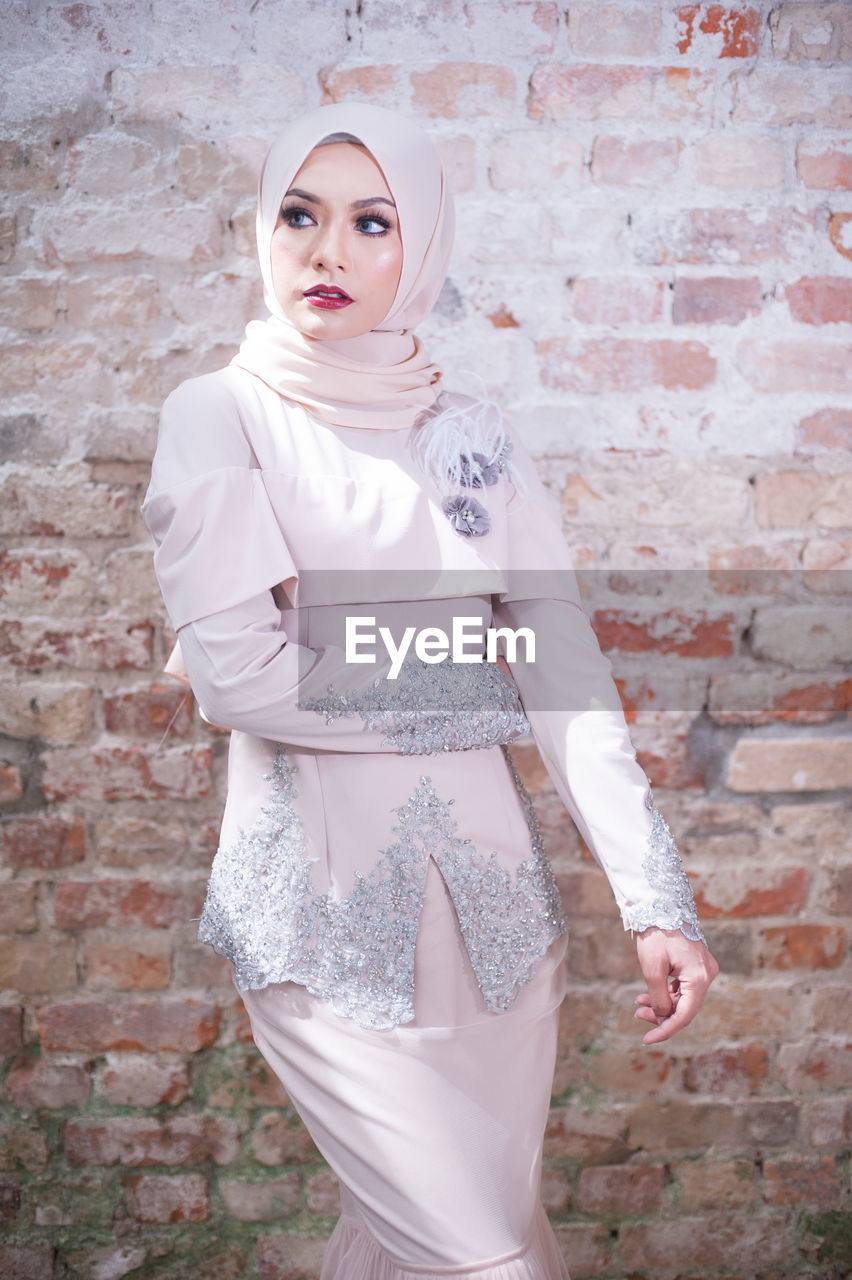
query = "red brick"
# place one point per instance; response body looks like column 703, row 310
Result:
column 26, row 1261
column 245, row 1080
column 587, row 1248
column 727, row 237
column 22, row 1144
column 129, row 842
column 116, row 967
column 658, row 1124
column 763, row 699
column 797, row 499
column 127, row 773
column 462, row 89
column 89, row 644
column 696, row 636
column 756, row 891
column 830, row 1122
column 617, row 300
column 726, row 1070
column 827, row 170
column 815, row 31
column 611, row 31
column 149, row 711
column 596, row 1136
column 797, row 1180
column 837, row 895
column 43, row 842
column 377, row 84
column 820, row 299
column 715, row 299
column 813, row 1066
column 827, row 429
column 503, row 319
column 324, row 1194
column 146, row 1141
column 622, row 1189
column 268, row 1201
column 601, row 951
column 788, row 764
column 588, row 92
column 738, row 30
column 829, row 1015
column 153, row 1198
column 724, row 1241
column 37, row 962
column 282, row 1257
column 768, row 1122
column 77, row 507
column 137, row 1080
column 790, row 364
column 838, row 233
column 11, row 1025
column 647, row 162
column 42, row 1082
column 11, row 784
column 585, row 892
column 282, row 1139
column 94, row 1027
column 28, row 578
column 92, row 904
column 18, row 906
column 715, row 1186
column 737, row 163
column 803, row 946
column 10, row 1203
column 620, row 1071
column 624, row 364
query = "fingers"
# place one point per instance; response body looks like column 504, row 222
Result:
column 685, row 1008
column 656, row 970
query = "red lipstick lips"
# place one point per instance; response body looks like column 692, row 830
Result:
column 327, row 296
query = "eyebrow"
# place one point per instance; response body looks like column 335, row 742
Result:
column 356, row 204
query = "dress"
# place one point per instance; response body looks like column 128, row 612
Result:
column 381, row 884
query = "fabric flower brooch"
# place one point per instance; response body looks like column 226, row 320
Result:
column 475, row 471
column 463, row 448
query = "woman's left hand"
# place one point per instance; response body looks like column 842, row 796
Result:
column 678, row 973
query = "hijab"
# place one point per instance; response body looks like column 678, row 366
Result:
column 381, row 379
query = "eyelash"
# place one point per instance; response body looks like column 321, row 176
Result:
column 288, row 216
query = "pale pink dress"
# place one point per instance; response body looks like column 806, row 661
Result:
column 381, row 886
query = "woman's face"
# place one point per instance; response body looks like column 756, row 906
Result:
column 336, row 251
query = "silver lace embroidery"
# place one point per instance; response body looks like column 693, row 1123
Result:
column 507, row 926
column 674, row 907
column 433, row 707
column 357, row 952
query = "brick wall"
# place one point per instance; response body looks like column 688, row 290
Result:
column 654, row 275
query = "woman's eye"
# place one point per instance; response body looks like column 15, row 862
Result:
column 296, row 217
column 373, row 224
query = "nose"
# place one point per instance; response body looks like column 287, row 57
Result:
column 330, row 248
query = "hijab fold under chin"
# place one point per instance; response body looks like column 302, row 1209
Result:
column 384, row 378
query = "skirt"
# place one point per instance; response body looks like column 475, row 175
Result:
column 433, row 1127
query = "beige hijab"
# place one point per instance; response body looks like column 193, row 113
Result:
column 384, row 378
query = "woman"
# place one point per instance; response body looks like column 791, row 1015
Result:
column 324, row 513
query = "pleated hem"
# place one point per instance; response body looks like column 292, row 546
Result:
column 353, row 1254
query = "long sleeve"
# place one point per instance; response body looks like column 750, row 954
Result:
column 222, row 559
column 578, row 724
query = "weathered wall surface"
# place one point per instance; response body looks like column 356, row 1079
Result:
column 654, row 275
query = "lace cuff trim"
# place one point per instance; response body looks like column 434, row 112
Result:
column 674, row 905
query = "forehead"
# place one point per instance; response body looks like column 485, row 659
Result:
column 342, row 168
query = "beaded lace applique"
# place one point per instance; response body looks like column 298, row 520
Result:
column 434, row 707
column 674, row 906
column 357, row 952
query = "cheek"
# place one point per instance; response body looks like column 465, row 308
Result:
column 388, row 265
